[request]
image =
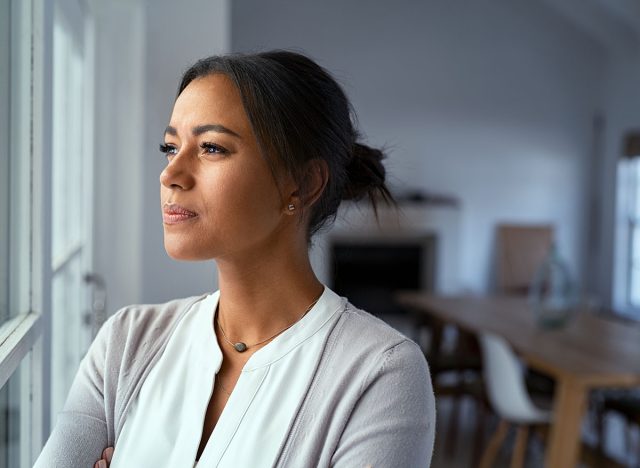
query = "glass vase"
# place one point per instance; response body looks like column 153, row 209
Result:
column 552, row 293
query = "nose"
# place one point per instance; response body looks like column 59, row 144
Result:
column 178, row 174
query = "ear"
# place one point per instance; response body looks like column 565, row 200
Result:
column 314, row 181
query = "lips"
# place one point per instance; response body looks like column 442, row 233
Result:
column 173, row 214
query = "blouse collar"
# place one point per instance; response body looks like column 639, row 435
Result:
column 318, row 316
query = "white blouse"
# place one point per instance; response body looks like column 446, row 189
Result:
column 164, row 425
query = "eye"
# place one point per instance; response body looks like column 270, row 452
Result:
column 212, row 148
column 168, row 150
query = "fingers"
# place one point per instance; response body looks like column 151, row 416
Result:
column 108, row 454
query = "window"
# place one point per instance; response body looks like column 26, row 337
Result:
column 630, row 170
column 16, row 163
column 20, row 298
column 5, row 92
column 628, row 232
column 45, row 185
column 44, row 133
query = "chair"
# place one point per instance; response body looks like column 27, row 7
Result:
column 625, row 403
column 506, row 389
column 456, row 374
column 521, row 249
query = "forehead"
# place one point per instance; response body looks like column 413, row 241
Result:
column 213, row 99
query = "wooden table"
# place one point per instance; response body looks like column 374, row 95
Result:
column 591, row 352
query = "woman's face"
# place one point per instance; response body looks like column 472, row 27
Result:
column 218, row 194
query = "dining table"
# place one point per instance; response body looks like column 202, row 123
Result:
column 590, row 351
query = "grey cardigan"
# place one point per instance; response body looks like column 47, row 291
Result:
column 370, row 402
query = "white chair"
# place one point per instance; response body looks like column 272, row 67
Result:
column 507, row 393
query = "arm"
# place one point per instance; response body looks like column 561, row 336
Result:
column 393, row 422
column 80, row 434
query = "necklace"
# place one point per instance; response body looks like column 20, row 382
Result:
column 241, row 347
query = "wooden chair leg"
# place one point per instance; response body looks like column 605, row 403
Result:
column 600, row 429
column 450, row 438
column 627, row 439
column 480, row 428
column 637, row 448
column 452, row 430
column 494, row 445
column 520, row 447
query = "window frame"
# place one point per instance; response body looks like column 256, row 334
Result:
column 25, row 336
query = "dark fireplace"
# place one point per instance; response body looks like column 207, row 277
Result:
column 370, row 271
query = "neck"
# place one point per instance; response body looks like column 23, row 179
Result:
column 261, row 296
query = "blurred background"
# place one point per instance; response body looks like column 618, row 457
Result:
column 493, row 113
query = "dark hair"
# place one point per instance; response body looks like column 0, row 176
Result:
column 299, row 113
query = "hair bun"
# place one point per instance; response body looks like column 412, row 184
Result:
column 365, row 173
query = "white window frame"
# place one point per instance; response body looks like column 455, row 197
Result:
column 28, row 332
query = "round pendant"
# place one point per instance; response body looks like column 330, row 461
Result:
column 240, row 347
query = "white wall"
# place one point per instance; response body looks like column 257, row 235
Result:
column 491, row 101
column 176, row 36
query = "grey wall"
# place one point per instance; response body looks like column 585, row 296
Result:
column 142, row 48
column 491, row 101
column 176, row 36
column 119, row 149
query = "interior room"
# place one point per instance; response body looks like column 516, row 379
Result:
column 511, row 132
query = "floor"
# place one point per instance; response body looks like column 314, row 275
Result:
column 462, row 457
column 464, row 443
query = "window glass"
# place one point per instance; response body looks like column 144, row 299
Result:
column 631, row 169
column 15, row 158
column 15, row 418
column 5, row 61
column 18, row 59
column 629, row 231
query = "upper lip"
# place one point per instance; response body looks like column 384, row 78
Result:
column 174, row 208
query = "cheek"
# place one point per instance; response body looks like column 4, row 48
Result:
column 244, row 201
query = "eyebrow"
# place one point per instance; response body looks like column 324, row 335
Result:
column 200, row 129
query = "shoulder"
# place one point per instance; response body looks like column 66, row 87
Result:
column 117, row 358
column 141, row 317
column 136, row 331
column 362, row 349
column 371, row 399
column 371, row 338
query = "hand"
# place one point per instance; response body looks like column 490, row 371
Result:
column 104, row 462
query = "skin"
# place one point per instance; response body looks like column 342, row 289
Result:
column 243, row 223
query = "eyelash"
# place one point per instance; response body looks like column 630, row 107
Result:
column 167, row 149
column 212, row 146
column 209, row 148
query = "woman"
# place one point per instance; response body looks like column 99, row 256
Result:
column 274, row 369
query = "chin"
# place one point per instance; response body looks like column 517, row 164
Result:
column 185, row 246
column 184, row 253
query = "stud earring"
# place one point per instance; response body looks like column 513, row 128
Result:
column 291, row 207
